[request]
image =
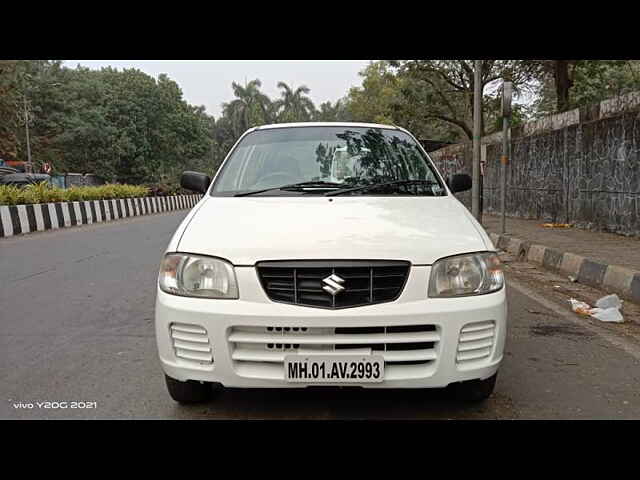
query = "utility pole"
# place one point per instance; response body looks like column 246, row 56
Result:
column 507, row 89
column 477, row 116
column 29, row 168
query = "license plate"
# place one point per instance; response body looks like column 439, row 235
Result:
column 334, row 368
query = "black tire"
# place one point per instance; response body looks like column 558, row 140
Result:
column 190, row 391
column 475, row 390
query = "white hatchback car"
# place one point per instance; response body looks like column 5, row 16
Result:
column 294, row 270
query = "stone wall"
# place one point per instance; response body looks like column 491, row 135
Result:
column 580, row 167
column 82, row 180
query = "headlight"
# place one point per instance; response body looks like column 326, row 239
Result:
column 196, row 276
column 470, row 274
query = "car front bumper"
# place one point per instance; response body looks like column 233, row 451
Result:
column 459, row 339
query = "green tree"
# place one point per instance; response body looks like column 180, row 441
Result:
column 10, row 74
column 375, row 101
column 251, row 107
column 329, row 112
column 566, row 84
column 122, row 125
column 388, row 97
column 445, row 88
column 294, row 105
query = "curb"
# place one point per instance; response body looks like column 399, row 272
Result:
column 612, row 278
column 38, row 217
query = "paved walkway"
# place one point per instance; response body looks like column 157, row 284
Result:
column 607, row 248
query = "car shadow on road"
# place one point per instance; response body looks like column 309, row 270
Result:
column 344, row 403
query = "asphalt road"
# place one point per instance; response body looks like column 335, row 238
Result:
column 76, row 325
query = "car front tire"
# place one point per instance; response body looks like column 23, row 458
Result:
column 475, row 390
column 190, row 391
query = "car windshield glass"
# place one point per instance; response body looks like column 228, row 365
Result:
column 345, row 156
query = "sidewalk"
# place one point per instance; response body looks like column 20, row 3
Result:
column 602, row 260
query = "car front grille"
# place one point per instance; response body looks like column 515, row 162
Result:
column 409, row 351
column 355, row 283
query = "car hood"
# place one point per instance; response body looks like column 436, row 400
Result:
column 246, row 230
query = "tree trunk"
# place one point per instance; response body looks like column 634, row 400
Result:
column 563, row 84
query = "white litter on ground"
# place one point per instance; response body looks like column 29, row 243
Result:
column 610, row 301
column 607, row 308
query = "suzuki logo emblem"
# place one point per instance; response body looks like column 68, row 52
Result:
column 333, row 284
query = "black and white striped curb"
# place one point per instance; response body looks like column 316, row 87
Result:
column 21, row 219
column 611, row 278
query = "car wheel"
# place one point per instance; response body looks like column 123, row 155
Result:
column 475, row 390
column 190, row 391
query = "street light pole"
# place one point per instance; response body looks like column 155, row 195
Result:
column 506, row 145
column 26, row 127
column 477, row 105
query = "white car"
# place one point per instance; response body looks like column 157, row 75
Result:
column 281, row 278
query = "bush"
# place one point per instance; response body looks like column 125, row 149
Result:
column 163, row 189
column 45, row 193
column 9, row 195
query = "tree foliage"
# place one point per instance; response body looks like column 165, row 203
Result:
column 251, row 108
column 434, row 98
column 127, row 126
column 566, row 84
column 121, row 125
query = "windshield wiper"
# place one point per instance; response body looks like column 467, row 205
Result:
column 295, row 187
column 314, row 183
column 379, row 185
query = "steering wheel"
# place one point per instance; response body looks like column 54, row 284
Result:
column 286, row 179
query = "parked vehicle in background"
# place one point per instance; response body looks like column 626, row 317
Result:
column 13, row 173
column 23, row 179
column 329, row 254
column 5, row 170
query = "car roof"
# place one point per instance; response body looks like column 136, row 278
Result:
column 326, row 124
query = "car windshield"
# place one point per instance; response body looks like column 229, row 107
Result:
column 345, row 156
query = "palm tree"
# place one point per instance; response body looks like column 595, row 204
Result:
column 329, row 113
column 294, row 106
column 251, row 107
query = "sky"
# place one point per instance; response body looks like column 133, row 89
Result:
column 208, row 82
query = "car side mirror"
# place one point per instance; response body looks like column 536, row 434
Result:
column 195, row 181
column 459, row 182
